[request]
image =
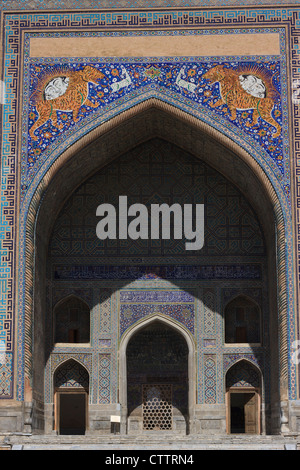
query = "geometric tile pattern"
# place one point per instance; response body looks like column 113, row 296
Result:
column 104, row 378
column 209, row 312
column 108, row 272
column 157, row 355
column 210, row 378
column 59, row 360
column 71, row 374
column 165, row 303
column 6, row 374
column 118, row 306
column 242, row 374
column 105, row 311
column 131, row 313
column 160, row 176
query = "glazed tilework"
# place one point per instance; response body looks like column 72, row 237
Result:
column 6, row 376
column 71, row 374
column 131, row 313
column 57, row 363
column 79, row 4
column 240, row 271
column 84, row 294
column 210, row 378
column 174, row 304
column 209, row 319
column 243, row 374
column 167, row 79
column 257, row 144
column 105, row 311
column 186, row 79
column 97, row 356
column 214, row 358
column 116, row 307
column 160, row 175
column 104, row 378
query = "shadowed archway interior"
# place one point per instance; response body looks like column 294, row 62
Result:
column 192, row 288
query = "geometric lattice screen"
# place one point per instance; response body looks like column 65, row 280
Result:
column 157, row 407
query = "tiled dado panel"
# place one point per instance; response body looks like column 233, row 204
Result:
column 164, row 79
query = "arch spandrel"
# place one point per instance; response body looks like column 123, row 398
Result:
column 197, row 120
column 190, row 86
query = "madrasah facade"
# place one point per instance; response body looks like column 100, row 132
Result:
column 164, row 104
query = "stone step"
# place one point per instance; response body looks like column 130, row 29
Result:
column 151, row 442
column 154, row 448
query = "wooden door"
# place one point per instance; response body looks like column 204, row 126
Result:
column 251, row 415
column 72, row 413
column 243, row 411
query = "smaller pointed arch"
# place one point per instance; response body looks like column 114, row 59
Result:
column 243, row 397
column 71, row 391
column 71, row 317
column 71, row 374
column 242, row 320
column 243, row 373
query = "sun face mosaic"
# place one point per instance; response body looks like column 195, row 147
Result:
column 245, row 94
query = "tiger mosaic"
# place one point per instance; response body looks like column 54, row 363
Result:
column 245, row 88
column 63, row 90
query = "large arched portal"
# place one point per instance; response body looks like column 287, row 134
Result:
column 156, row 158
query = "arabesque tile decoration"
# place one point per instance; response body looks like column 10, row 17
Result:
column 197, row 81
column 191, row 83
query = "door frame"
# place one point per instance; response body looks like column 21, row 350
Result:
column 71, row 391
column 249, row 390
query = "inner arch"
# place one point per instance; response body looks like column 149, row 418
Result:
column 157, row 378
